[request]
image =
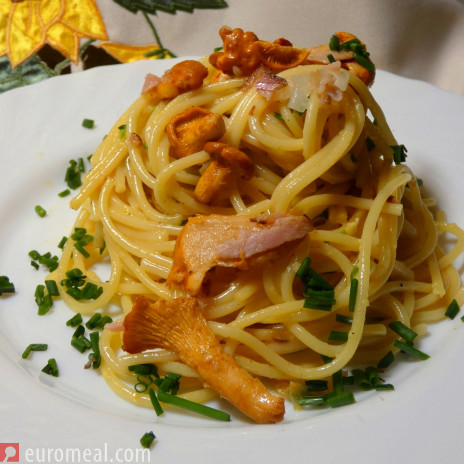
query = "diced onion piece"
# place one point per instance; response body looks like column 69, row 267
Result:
column 299, row 92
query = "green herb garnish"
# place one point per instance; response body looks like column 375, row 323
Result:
column 51, row 368
column 399, row 153
column 147, row 439
column 40, row 211
column 34, row 347
column 318, row 293
column 191, row 406
column 403, row 331
column 334, row 43
column 88, row 123
column 406, row 348
column 452, row 310
column 6, row 286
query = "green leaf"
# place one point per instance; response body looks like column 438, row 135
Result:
column 169, row 6
column 31, row 71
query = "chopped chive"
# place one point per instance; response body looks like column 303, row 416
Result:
column 403, row 331
column 78, row 233
column 73, row 175
column 103, row 321
column 45, row 305
column 62, row 242
column 452, row 310
column 52, row 287
column 140, row 387
column 411, row 350
column 95, row 346
column 361, row 379
column 47, row 260
column 144, row 369
column 338, row 336
column 74, row 292
column 363, row 61
column 191, row 406
column 384, row 386
column 81, row 343
column 334, row 43
column 147, row 439
column 122, row 131
column 91, row 291
column 316, row 281
column 353, row 294
column 344, row 319
column 35, row 265
column 50, row 262
column 88, row 123
column 218, row 49
column 64, row 193
column 348, row 380
column 313, row 400
column 75, row 320
column 309, row 304
column 81, row 250
column 399, row 153
column 370, row 145
column 34, row 347
column 6, row 286
column 34, row 254
column 39, row 293
column 326, row 359
column 154, row 401
column 278, row 116
column 316, row 385
column 337, row 382
column 340, row 399
column 40, row 211
column 93, row 321
column 348, row 45
column 51, row 368
column 170, row 383
column 80, row 164
column 331, row 58
column 80, row 330
column 302, row 270
column 386, row 361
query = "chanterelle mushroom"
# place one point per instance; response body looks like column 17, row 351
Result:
column 178, row 325
column 226, row 162
column 190, row 130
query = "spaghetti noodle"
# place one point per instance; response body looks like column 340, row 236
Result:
column 321, row 148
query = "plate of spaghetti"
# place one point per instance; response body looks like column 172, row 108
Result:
column 261, row 257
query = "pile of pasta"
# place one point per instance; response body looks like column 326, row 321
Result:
column 329, row 156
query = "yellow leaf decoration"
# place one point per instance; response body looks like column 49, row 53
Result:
column 129, row 53
column 4, row 13
column 83, row 17
column 30, row 24
column 64, row 40
column 24, row 31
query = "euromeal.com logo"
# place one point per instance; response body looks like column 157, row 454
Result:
column 9, row 452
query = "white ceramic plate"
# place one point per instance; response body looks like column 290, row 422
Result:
column 40, row 131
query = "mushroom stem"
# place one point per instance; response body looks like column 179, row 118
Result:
column 178, row 325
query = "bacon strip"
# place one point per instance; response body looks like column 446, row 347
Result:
column 230, row 241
